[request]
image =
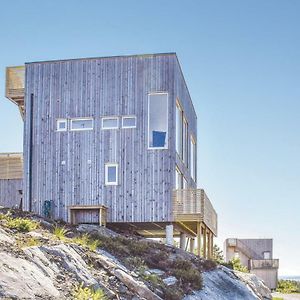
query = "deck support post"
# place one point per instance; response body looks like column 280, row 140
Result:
column 204, row 242
column 169, row 235
column 192, row 245
column 199, row 239
column 211, row 245
column 182, row 240
column 207, row 232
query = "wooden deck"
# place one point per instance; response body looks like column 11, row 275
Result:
column 11, row 165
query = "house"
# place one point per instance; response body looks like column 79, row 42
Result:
column 113, row 140
column 11, row 179
column 257, row 256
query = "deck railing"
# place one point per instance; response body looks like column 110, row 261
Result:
column 264, row 263
column 194, row 205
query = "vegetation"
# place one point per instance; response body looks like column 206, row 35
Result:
column 60, row 232
column 86, row 241
column 218, row 255
column 235, row 264
column 288, row 286
column 30, row 242
column 88, row 293
column 20, row 224
column 276, row 298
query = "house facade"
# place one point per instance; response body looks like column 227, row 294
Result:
column 11, row 179
column 257, row 256
column 113, row 138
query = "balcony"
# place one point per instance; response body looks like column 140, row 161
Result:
column 263, row 264
column 15, row 86
column 192, row 206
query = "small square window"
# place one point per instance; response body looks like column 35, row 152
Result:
column 129, row 122
column 61, row 125
column 111, row 174
column 110, row 123
column 82, row 124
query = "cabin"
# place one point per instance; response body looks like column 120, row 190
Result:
column 11, row 179
column 113, row 141
column 257, row 256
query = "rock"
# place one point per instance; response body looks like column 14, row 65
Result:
column 88, row 228
column 156, row 272
column 4, row 237
column 171, row 280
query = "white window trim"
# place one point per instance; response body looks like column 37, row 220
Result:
column 193, row 162
column 167, row 133
column 179, row 107
column 81, row 119
column 110, row 118
column 107, row 165
column 129, row 117
column 58, row 121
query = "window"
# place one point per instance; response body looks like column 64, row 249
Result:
column 61, row 125
column 158, row 121
column 178, row 178
column 111, row 174
column 193, row 152
column 267, row 255
column 110, row 123
column 129, row 122
column 82, row 124
column 178, row 129
column 185, row 142
column 185, row 183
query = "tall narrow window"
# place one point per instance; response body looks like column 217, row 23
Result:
column 193, row 164
column 178, row 129
column 111, row 174
column 178, row 179
column 82, row 124
column 185, row 142
column 158, row 121
column 61, row 125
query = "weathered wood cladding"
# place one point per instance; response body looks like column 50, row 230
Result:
column 11, row 192
column 97, row 87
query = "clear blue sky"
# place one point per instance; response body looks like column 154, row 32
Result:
column 242, row 66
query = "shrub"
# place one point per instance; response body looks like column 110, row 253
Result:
column 135, row 262
column 85, row 241
column 191, row 277
column 88, row 293
column 236, row 265
column 173, row 294
column 60, row 232
column 288, row 286
column 22, row 225
column 30, row 242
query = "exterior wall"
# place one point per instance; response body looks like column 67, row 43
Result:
column 10, row 195
column 230, row 253
column 259, row 246
column 67, row 168
column 269, row 276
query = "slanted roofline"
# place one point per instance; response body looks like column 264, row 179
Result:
column 105, row 57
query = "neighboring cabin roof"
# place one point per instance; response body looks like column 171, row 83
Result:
column 11, row 166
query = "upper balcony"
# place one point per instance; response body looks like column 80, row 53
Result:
column 263, row 264
column 193, row 205
column 15, row 86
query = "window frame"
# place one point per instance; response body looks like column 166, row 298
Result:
column 185, row 141
column 148, row 115
column 116, row 182
column 193, row 159
column 61, row 120
column 178, row 179
column 129, row 117
column 110, row 118
column 179, row 127
column 81, row 119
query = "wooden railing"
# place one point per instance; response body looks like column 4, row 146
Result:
column 193, row 205
column 15, row 86
column 11, row 166
column 264, row 264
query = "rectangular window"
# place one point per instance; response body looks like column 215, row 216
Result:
column 82, row 124
column 111, row 174
column 267, row 255
column 129, row 122
column 61, row 125
column 193, row 164
column 178, row 129
column 185, row 141
column 158, row 121
column 110, row 123
column 178, row 179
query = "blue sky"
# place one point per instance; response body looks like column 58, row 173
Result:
column 242, row 66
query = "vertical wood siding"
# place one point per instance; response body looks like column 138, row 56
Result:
column 9, row 192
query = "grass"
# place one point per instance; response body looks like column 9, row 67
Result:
column 20, row 224
column 30, row 242
column 88, row 293
column 86, row 241
column 276, row 298
column 60, row 232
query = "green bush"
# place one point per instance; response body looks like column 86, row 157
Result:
column 88, row 293
column 237, row 265
column 85, row 241
column 288, row 286
column 60, row 232
column 22, row 225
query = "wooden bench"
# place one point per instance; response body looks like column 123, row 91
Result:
column 75, row 208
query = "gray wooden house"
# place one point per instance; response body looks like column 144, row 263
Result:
column 113, row 140
column 11, row 179
column 257, row 256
